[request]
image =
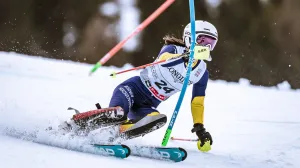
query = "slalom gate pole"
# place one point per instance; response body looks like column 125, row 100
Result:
column 144, row 24
column 186, row 79
column 183, row 139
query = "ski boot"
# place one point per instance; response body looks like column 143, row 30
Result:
column 91, row 120
column 135, row 128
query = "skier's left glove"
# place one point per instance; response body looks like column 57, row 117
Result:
column 205, row 140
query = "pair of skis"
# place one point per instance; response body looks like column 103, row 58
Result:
column 175, row 154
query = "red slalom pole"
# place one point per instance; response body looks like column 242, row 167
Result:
column 183, row 139
column 144, row 24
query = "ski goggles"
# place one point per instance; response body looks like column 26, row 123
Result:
column 206, row 40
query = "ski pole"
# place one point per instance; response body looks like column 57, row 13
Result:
column 183, row 139
column 201, row 53
column 146, row 65
column 136, row 68
column 144, row 24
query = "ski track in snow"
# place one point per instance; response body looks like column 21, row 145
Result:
column 251, row 126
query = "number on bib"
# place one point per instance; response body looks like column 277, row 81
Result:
column 163, row 85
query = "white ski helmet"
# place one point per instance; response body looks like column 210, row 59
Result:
column 202, row 28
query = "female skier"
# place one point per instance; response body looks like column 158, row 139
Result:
column 133, row 104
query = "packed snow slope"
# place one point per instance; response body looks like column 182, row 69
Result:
column 251, row 126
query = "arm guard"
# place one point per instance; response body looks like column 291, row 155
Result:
column 197, row 103
column 168, row 52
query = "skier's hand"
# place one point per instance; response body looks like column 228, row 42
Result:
column 186, row 56
column 205, row 140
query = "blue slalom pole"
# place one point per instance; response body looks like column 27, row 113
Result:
column 187, row 77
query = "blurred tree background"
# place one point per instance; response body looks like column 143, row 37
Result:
column 258, row 39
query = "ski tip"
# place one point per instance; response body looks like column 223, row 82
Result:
column 185, row 153
column 129, row 151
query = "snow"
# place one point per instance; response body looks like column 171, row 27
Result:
column 252, row 126
column 109, row 9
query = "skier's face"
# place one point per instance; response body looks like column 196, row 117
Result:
column 205, row 40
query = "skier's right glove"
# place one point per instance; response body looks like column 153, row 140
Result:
column 186, row 56
column 205, row 140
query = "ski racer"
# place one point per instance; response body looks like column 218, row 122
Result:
column 133, row 105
